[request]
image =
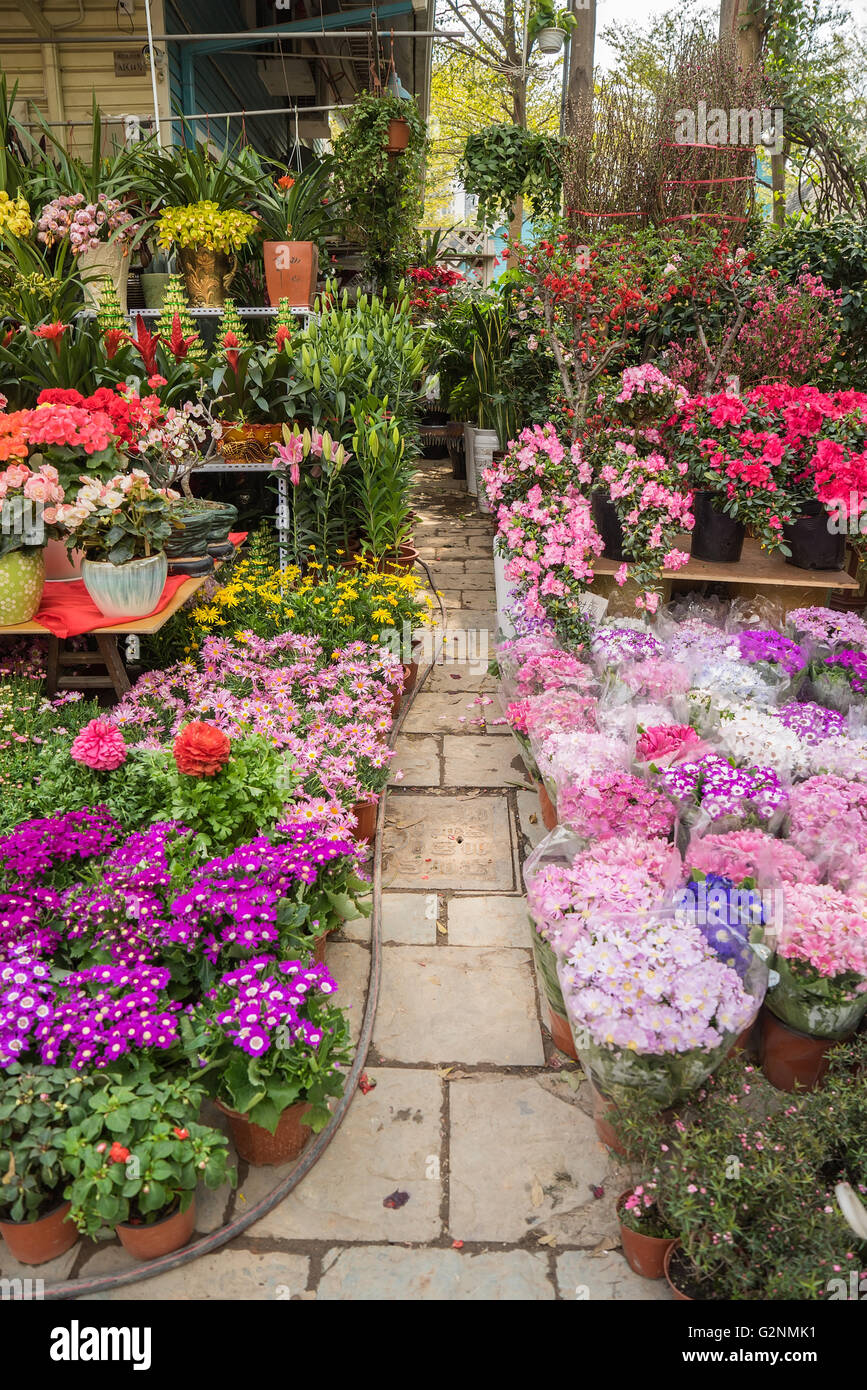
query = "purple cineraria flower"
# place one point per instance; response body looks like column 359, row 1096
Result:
column 37, row 849
column 770, row 646
column 812, row 723
column 749, row 794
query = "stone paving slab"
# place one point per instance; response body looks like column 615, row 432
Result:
column 452, row 712
column 231, row 1274
column 451, row 676
column 530, row 820
column 448, row 842
column 418, row 758
column 395, row 1275
column 518, row 1157
column 607, row 1278
column 410, row 919
column 484, row 761
column 488, row 921
column 385, row 1144
column 458, row 1004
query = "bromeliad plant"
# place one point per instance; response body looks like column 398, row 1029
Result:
column 268, row 1036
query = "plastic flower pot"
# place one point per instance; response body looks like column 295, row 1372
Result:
column 260, row 1148
column 22, row 577
column 547, row 808
column 37, row 1242
column 291, row 268
column 546, row 969
column 792, row 1060
column 397, row 138
column 132, row 590
column 607, row 523
column 160, row 1237
column 550, row 40
column 645, row 1255
column 716, row 536
column 813, row 545
column 674, row 1256
column 365, row 818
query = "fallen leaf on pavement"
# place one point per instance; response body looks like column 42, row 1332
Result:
column 537, row 1196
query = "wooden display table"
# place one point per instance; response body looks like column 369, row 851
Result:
column 108, row 655
column 757, row 573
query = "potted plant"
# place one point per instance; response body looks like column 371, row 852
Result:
column 122, row 527
column 136, row 1161
column 101, row 235
column 28, row 509
column 295, row 211
column 381, row 193
column 383, row 479
column 820, row 994
column 206, row 238
column 273, row 1044
column 249, row 386
column 549, row 27
column 37, row 1106
column 644, row 1233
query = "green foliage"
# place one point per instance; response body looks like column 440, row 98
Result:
column 178, row 175
column 52, row 171
column 381, row 486
column 140, row 1152
column 836, row 251
column 381, row 192
column 37, row 1106
column 308, row 211
column 28, row 723
column 244, row 799
column 505, row 162
column 491, row 352
column 544, row 14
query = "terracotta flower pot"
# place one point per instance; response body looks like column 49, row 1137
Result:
column 605, row 1130
column 260, row 1148
column 792, row 1060
column 547, row 808
column 161, row 1237
column 365, row 816
column 319, row 948
column 410, row 676
column 546, row 970
column 37, row 1242
column 291, row 268
column 396, row 702
column 61, row 565
column 398, row 135
column 645, row 1255
column 666, row 1269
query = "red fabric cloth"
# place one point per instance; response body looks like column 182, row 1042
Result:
column 67, row 610
column 238, row 537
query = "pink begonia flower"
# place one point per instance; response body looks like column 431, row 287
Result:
column 663, row 740
column 99, row 746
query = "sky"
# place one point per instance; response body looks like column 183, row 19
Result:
column 638, row 11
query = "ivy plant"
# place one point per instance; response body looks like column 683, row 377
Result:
column 505, row 162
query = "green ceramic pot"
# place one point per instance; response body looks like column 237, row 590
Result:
column 191, row 532
column 22, row 576
column 223, row 516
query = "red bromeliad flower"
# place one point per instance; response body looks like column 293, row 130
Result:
column 113, row 337
column 52, row 332
column 146, row 344
column 178, row 345
column 282, row 336
column 232, row 347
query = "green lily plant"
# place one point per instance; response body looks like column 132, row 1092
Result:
column 382, row 478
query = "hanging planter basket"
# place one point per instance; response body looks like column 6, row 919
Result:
column 551, row 40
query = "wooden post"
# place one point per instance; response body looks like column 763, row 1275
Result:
column 582, row 44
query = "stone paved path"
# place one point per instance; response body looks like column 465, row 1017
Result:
column 473, row 1114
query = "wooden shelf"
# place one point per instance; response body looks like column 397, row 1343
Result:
column 756, row 566
column 152, row 623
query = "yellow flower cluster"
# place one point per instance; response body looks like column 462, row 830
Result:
column 328, row 601
column 205, row 224
column 15, row 215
